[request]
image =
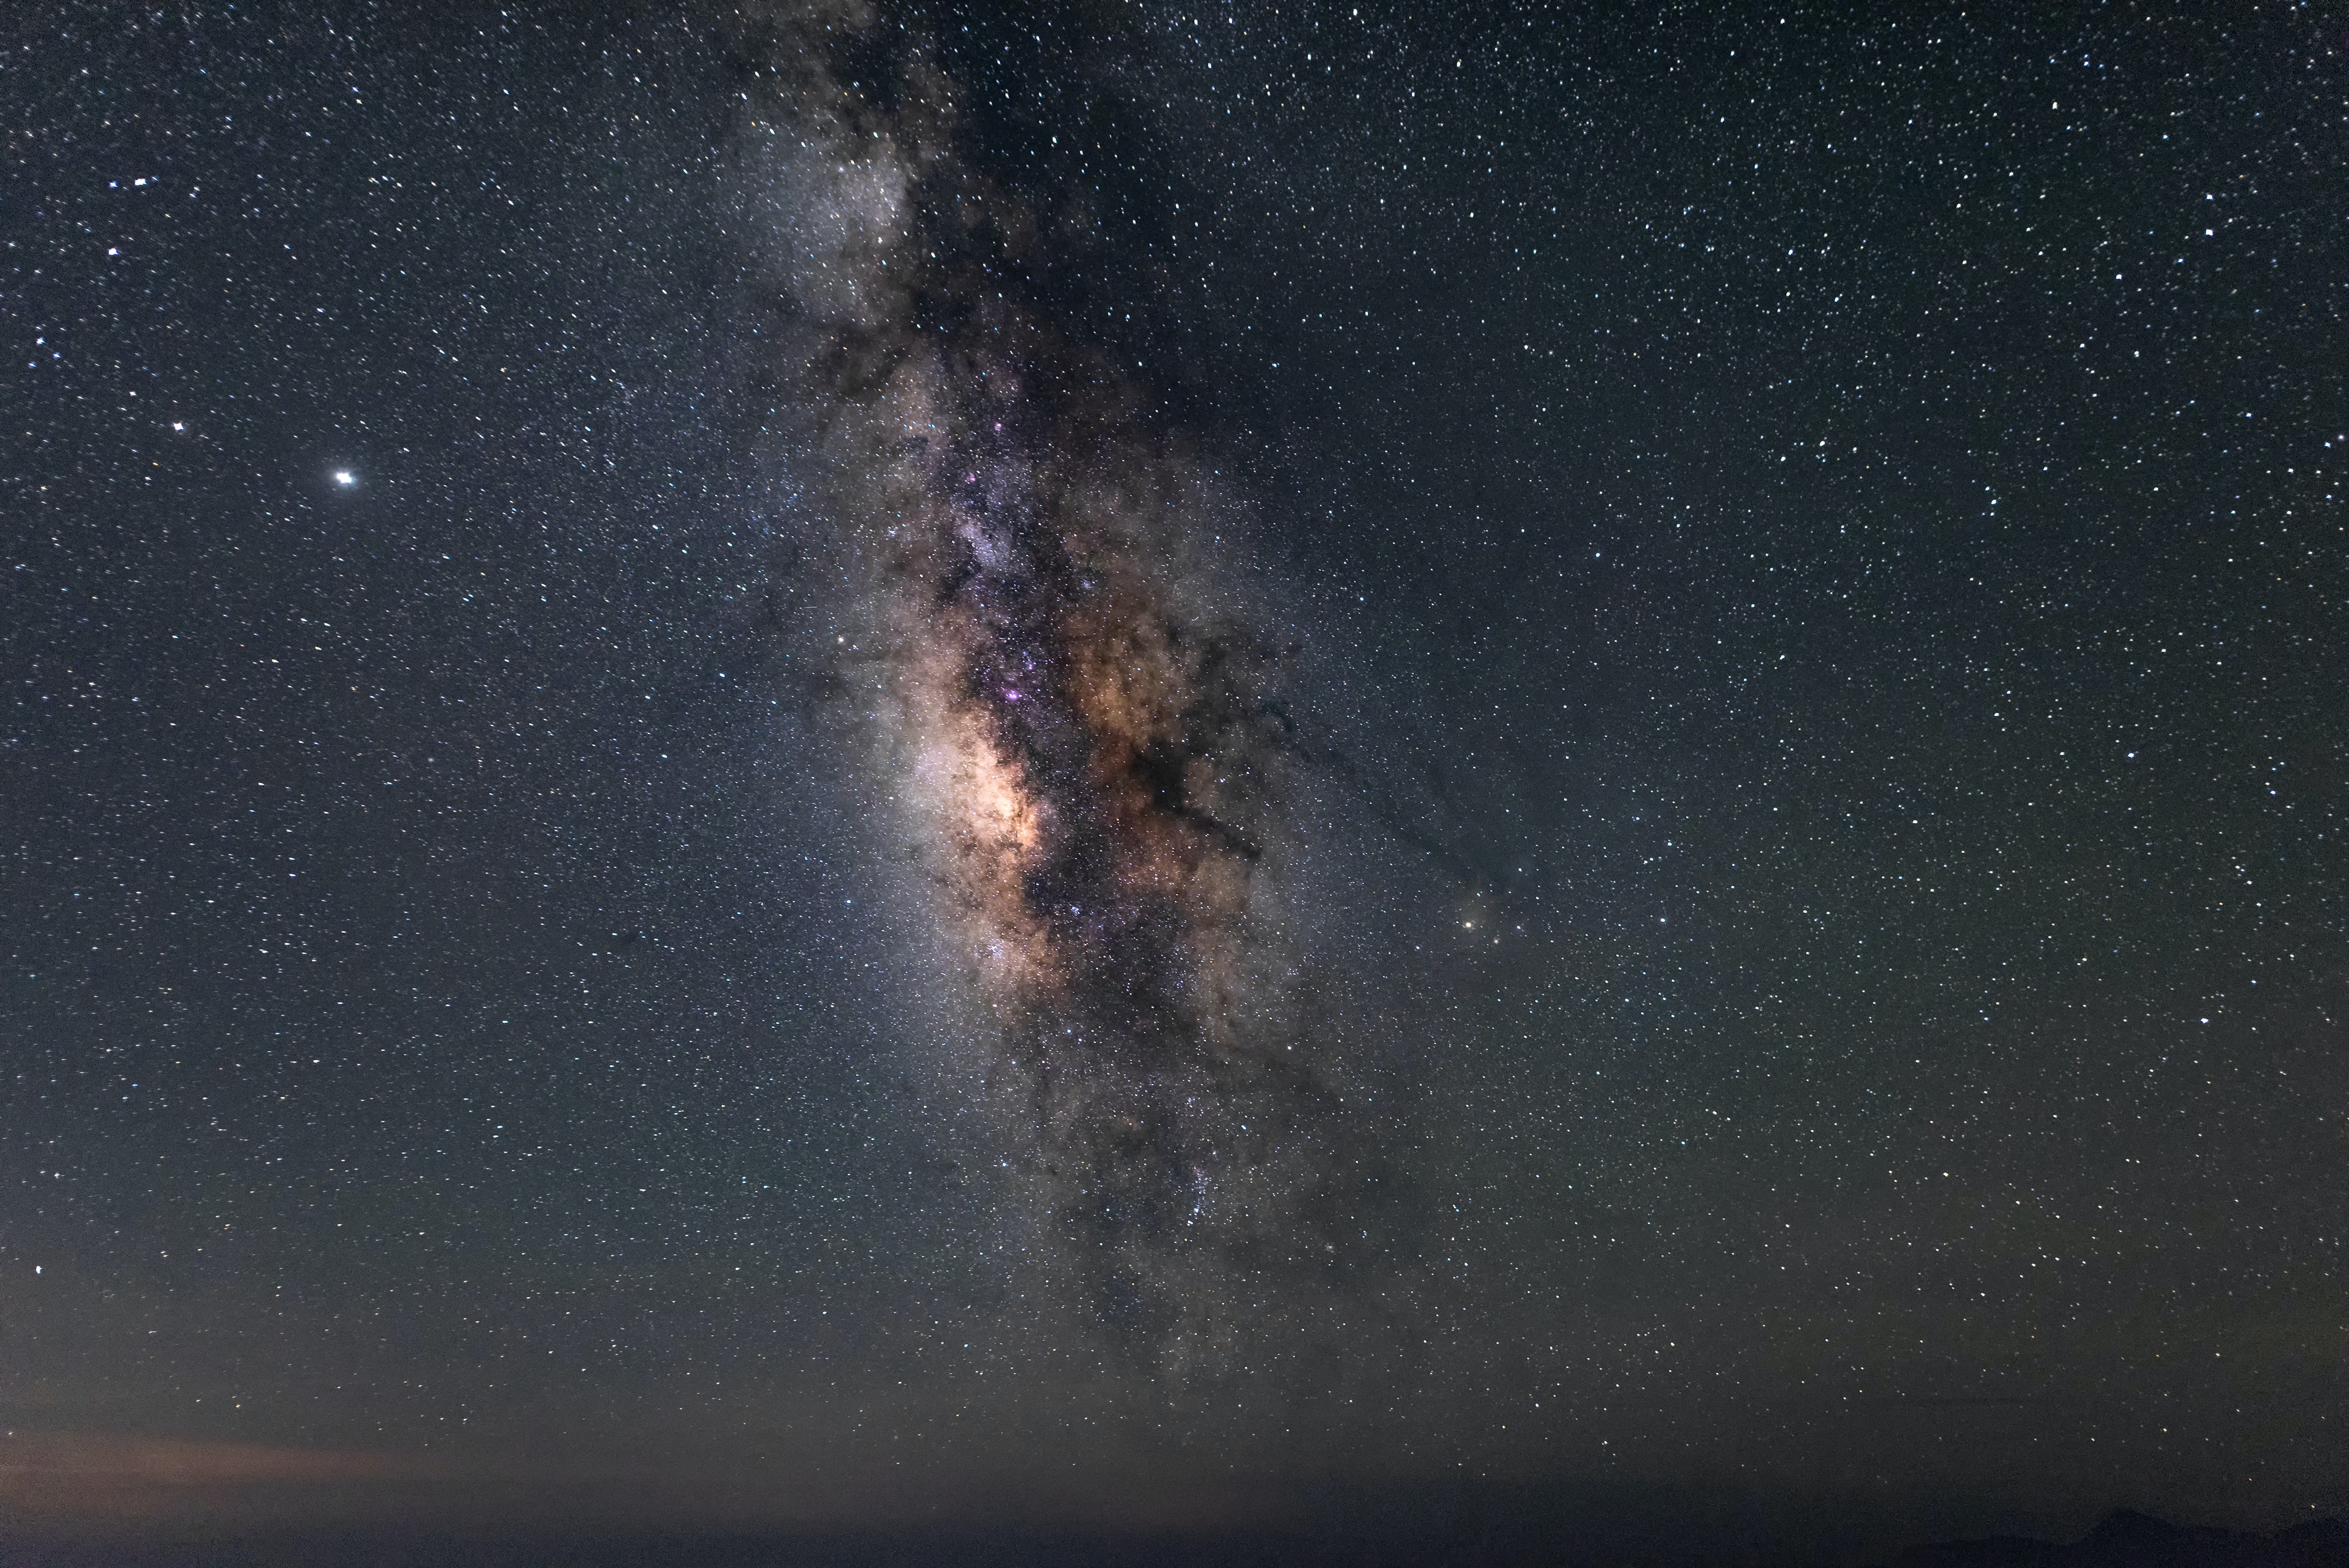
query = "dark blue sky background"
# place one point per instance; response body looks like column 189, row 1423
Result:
column 1830, row 529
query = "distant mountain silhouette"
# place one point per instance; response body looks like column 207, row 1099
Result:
column 1484, row 1540
column 2130, row 1539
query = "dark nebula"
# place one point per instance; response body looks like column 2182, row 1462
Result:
column 1063, row 670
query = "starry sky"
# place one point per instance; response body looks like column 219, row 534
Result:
column 1168, row 767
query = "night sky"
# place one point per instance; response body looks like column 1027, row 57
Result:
column 1150, row 768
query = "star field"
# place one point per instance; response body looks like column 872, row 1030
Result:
column 1731, row 662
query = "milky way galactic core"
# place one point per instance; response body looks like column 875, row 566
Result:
column 1050, row 633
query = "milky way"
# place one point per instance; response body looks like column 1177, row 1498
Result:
column 1071, row 695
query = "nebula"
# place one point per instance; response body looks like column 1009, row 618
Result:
column 1041, row 611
